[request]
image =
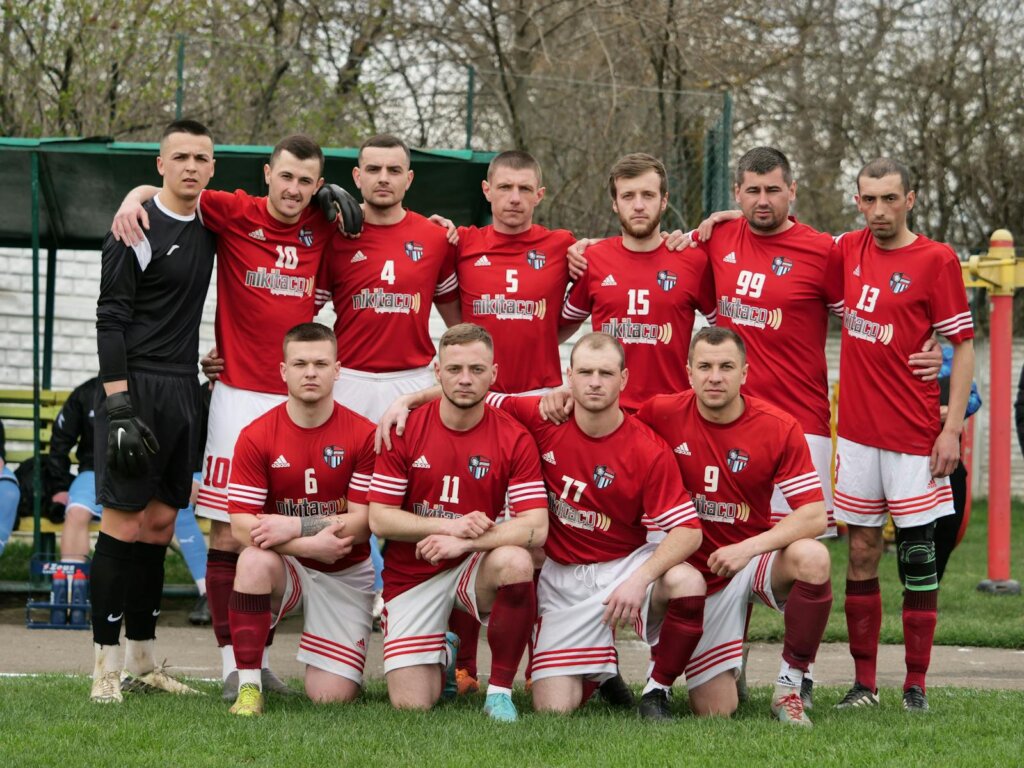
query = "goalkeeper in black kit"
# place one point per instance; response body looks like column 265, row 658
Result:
column 147, row 411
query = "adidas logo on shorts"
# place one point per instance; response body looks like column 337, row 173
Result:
column 730, row 257
column 280, row 463
column 608, row 281
column 360, row 256
column 483, row 261
column 549, row 457
column 257, row 234
column 421, row 463
column 682, row 449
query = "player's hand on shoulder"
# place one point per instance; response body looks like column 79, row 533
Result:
column 393, row 418
column 577, row 258
column 339, row 206
column 927, row 363
column 274, row 530
column 438, row 547
column 448, row 224
column 624, row 603
column 556, row 405
column 677, row 240
column 130, row 222
column 212, row 364
column 469, row 526
column 706, row 227
column 729, row 560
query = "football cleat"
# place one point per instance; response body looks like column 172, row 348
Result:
column 249, row 702
column 789, row 708
column 914, row 699
column 230, row 690
column 465, row 682
column 274, row 684
column 858, row 696
column 615, row 691
column 200, row 613
column 807, row 693
column 451, row 685
column 499, row 706
column 654, row 705
column 106, row 689
column 155, row 681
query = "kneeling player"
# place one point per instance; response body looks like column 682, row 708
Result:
column 435, row 497
column 610, row 479
column 732, row 450
column 297, row 499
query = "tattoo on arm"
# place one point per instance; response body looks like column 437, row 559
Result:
column 311, row 526
column 529, row 541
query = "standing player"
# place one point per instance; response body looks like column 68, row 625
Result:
column 297, row 499
column 610, row 480
column 732, row 449
column 147, row 412
column 893, row 455
column 269, row 253
column 637, row 290
column 436, row 497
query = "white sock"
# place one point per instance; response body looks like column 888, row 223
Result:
column 654, row 685
column 227, row 661
column 788, row 679
column 107, row 658
column 250, row 677
column 809, row 674
column 491, row 689
column 266, row 658
column 138, row 657
column 201, row 586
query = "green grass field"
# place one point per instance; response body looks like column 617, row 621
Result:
column 48, row 721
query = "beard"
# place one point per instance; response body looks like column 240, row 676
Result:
column 464, row 406
column 639, row 231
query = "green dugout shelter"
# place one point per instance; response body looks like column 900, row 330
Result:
column 62, row 194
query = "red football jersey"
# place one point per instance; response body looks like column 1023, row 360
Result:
column 266, row 274
column 513, row 286
column 894, row 300
column 604, row 493
column 731, row 469
column 434, row 471
column 280, row 468
column 647, row 301
column 776, row 292
column 383, row 284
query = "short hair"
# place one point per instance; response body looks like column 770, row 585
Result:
column 309, row 332
column 762, row 160
column 385, row 141
column 716, row 335
column 465, row 333
column 634, row 165
column 517, row 160
column 881, row 167
column 599, row 340
column 301, row 146
column 186, row 126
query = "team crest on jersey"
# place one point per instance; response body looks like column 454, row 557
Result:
column 414, row 250
column 603, row 476
column 667, row 280
column 737, row 459
column 479, row 466
column 536, row 259
column 334, row 455
column 306, row 237
column 899, row 282
column 781, row 265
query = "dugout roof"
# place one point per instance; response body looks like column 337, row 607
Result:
column 81, row 183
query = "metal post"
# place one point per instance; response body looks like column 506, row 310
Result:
column 726, row 149
column 37, row 480
column 51, row 289
column 179, row 94
column 470, row 89
column 1000, row 351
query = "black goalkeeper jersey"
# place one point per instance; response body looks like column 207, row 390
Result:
column 152, row 295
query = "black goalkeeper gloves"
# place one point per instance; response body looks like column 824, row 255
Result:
column 334, row 200
column 130, row 442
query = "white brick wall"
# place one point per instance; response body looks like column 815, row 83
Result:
column 74, row 340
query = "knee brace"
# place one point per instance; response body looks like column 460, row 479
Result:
column 915, row 549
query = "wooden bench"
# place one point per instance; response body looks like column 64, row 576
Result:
column 16, row 405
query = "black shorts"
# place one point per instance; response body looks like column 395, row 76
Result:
column 169, row 405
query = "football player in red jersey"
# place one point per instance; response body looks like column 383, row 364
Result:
column 893, row 454
column 297, row 499
column 436, row 496
column 732, row 450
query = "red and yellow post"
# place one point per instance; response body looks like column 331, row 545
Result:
column 1001, row 273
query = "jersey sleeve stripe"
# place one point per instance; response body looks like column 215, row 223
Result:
column 446, row 286
column 800, row 482
column 711, row 316
column 569, row 312
column 955, row 324
column 521, row 493
column 247, row 494
column 836, row 308
column 495, row 399
column 388, row 486
column 672, row 518
column 360, row 482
